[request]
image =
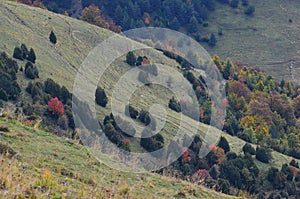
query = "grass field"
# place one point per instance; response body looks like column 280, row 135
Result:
column 266, row 40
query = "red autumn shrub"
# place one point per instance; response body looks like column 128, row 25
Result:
column 126, row 141
column 185, row 156
column 56, row 106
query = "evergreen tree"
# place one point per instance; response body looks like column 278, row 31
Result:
column 174, row 105
column 263, row 154
column 245, row 2
column 24, row 50
column 18, row 53
column 175, row 24
column 52, row 37
column 131, row 58
column 29, row 73
column 133, row 113
column 193, row 25
column 250, row 10
column 247, row 148
column 234, row 3
column 119, row 15
column 3, row 95
column 52, row 88
column 101, row 98
column 223, row 143
column 212, row 40
column 31, row 56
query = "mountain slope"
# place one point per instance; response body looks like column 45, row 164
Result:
column 47, row 166
column 268, row 40
column 32, row 26
column 22, row 24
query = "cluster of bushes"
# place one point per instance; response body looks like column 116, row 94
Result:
column 9, row 88
column 52, row 101
column 228, row 172
column 144, row 116
column 285, row 182
column 180, row 60
column 133, row 60
column 115, row 134
column 117, row 130
column 22, row 53
column 151, row 142
column 42, row 92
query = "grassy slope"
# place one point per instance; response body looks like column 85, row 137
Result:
column 266, row 40
column 75, row 40
column 59, row 167
column 32, row 26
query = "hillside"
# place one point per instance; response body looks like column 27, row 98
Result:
column 266, row 40
column 60, row 62
column 45, row 166
column 24, row 24
column 254, row 40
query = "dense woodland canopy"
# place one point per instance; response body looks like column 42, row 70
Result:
column 187, row 16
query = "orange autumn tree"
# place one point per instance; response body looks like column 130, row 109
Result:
column 92, row 15
column 39, row 4
column 218, row 152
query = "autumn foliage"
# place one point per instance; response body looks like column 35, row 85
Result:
column 56, row 106
column 92, row 14
column 219, row 152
